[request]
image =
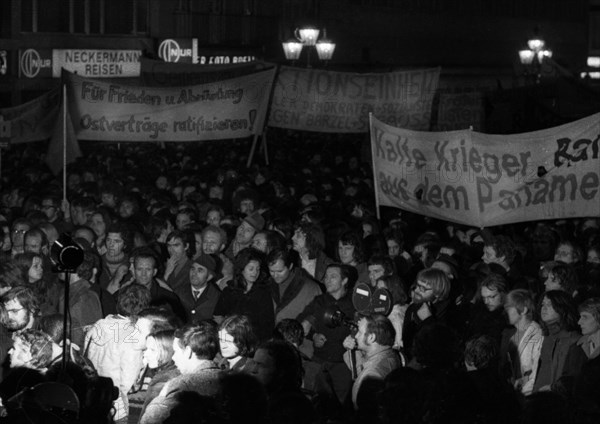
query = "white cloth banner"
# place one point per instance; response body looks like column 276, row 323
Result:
column 485, row 180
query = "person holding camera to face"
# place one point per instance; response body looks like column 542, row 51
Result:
column 333, row 379
column 375, row 359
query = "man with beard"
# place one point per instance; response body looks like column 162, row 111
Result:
column 20, row 311
column 21, row 308
column 430, row 303
column 375, row 360
column 487, row 314
column 214, row 240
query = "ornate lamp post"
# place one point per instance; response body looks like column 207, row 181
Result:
column 533, row 57
column 308, row 37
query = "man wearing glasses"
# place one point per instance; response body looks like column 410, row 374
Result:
column 51, row 208
column 21, row 307
column 430, row 303
column 17, row 235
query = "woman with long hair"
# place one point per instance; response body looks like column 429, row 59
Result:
column 32, row 271
column 31, row 265
column 237, row 342
column 158, row 358
column 249, row 294
column 560, row 357
column 100, row 221
column 563, row 277
column 350, row 251
column 521, row 345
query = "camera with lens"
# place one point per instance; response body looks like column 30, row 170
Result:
column 366, row 301
column 335, row 318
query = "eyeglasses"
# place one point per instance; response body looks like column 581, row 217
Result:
column 422, row 287
column 19, row 231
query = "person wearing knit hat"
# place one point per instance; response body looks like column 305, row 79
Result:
column 199, row 297
column 244, row 234
column 256, row 221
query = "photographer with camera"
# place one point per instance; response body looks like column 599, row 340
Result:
column 374, row 361
column 333, row 378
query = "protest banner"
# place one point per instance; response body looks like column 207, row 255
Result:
column 459, row 111
column 233, row 108
column 324, row 101
column 31, row 121
column 485, row 180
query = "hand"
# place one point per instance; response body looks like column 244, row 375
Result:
column 406, row 256
column 171, row 264
column 65, row 207
column 518, row 384
column 319, row 340
column 115, row 284
column 424, row 311
column 121, row 272
column 349, row 343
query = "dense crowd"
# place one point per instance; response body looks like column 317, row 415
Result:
column 212, row 292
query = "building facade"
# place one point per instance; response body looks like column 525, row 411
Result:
column 475, row 42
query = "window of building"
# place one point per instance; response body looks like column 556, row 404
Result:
column 85, row 16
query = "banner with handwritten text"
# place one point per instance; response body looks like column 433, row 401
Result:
column 485, row 180
column 233, row 108
column 31, row 121
column 324, row 101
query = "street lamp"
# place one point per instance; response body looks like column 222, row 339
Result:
column 533, row 57
column 308, row 36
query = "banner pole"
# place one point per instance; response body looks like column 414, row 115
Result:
column 264, row 142
column 64, row 140
column 252, row 149
column 373, row 164
column 265, row 123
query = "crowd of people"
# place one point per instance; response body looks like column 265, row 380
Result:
column 206, row 291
